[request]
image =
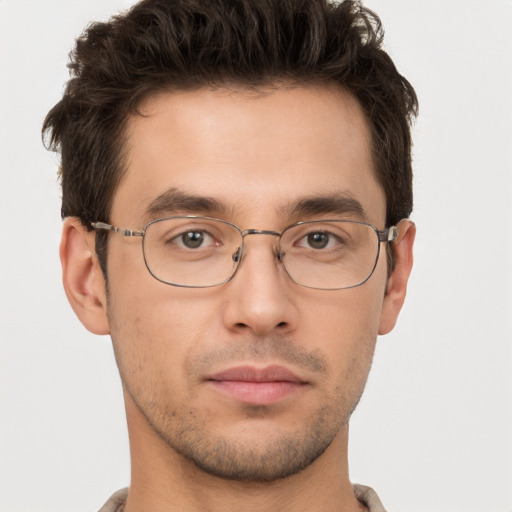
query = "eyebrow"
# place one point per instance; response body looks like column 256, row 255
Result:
column 174, row 201
column 333, row 204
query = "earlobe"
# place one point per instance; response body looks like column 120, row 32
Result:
column 397, row 283
column 82, row 277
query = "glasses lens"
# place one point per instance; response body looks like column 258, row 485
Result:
column 330, row 254
column 191, row 251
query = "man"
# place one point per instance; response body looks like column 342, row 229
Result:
column 236, row 190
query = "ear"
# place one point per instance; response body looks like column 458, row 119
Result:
column 82, row 277
column 397, row 282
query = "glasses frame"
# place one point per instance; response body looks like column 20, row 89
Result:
column 383, row 236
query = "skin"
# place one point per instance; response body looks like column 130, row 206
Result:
column 192, row 447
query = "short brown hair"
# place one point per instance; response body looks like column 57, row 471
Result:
column 165, row 45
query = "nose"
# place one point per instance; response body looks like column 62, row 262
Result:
column 261, row 295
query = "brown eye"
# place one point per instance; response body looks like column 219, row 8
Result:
column 318, row 240
column 192, row 239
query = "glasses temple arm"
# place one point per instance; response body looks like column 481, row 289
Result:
column 122, row 232
column 388, row 235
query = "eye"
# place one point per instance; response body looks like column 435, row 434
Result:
column 319, row 240
column 193, row 239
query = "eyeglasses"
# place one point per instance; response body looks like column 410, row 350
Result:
column 201, row 252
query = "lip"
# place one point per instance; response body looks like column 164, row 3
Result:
column 273, row 373
column 257, row 386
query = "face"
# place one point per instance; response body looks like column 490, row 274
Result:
column 256, row 378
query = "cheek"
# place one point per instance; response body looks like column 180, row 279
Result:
column 347, row 314
column 346, row 329
column 154, row 312
column 149, row 351
column 156, row 330
column 163, row 329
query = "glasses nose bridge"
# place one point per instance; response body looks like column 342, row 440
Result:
column 266, row 232
column 246, row 232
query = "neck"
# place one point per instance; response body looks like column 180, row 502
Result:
column 165, row 480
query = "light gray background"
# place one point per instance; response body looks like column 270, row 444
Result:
column 433, row 432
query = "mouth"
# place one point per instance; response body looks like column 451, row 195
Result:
column 256, row 386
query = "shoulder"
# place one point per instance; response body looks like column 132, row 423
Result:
column 116, row 502
column 368, row 497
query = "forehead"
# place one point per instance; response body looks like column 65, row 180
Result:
column 249, row 151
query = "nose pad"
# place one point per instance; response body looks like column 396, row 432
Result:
column 278, row 253
column 237, row 255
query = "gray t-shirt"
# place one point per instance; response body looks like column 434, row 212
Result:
column 366, row 495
